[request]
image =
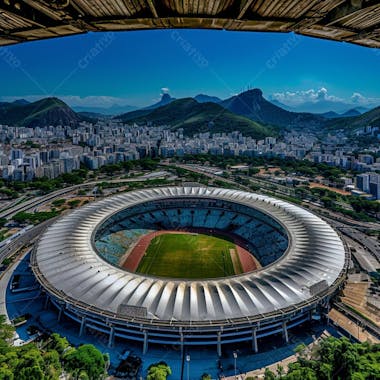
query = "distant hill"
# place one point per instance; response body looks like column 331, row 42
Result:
column 335, row 115
column 48, row 111
column 371, row 118
column 129, row 117
column 202, row 98
column 322, row 107
column 351, row 112
column 330, row 115
column 106, row 111
column 254, row 106
column 281, row 105
column 21, row 102
column 196, row 117
column 362, row 110
column 17, row 102
column 93, row 115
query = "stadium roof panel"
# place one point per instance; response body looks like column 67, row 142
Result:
column 68, row 264
column 353, row 21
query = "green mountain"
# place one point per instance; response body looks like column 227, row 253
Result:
column 196, row 117
column 371, row 118
column 133, row 115
column 254, row 106
column 48, row 111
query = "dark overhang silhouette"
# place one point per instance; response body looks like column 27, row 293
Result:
column 354, row 21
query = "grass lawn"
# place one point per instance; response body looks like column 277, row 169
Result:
column 188, row 256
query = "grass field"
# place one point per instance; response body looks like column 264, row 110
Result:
column 188, row 256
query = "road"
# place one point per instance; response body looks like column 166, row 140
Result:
column 350, row 327
column 359, row 320
column 365, row 259
column 5, row 279
column 39, row 201
column 370, row 244
column 196, row 169
column 345, row 220
column 25, row 239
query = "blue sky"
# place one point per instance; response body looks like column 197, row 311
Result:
column 135, row 67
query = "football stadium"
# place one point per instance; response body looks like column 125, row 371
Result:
column 190, row 266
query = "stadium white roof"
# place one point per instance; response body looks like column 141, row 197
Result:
column 69, row 265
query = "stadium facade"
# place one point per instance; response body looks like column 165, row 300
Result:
column 303, row 259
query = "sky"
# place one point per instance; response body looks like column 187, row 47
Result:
column 134, row 68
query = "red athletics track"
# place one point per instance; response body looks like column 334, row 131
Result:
column 131, row 263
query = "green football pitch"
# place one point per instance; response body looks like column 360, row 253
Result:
column 188, row 256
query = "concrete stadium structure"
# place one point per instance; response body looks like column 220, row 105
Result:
column 304, row 258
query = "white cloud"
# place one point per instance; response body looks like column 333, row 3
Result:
column 95, row 101
column 359, row 99
column 165, row 90
column 77, row 101
column 294, row 98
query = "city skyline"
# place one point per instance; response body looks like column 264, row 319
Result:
column 134, row 68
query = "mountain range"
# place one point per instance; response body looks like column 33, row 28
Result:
column 248, row 112
column 334, row 115
column 371, row 117
column 47, row 111
column 322, row 106
column 195, row 117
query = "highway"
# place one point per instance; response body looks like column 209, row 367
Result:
column 369, row 244
column 25, row 239
column 196, row 169
column 39, row 201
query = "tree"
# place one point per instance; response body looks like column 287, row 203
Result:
column 53, row 366
column 280, row 371
column 6, row 330
column 86, row 358
column 301, row 350
column 6, row 374
column 158, row 371
column 74, row 203
column 252, row 171
column 301, row 373
column 58, row 343
column 58, row 202
column 30, row 357
column 30, row 373
column 269, row 375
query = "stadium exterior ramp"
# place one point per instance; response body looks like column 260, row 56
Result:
column 99, row 296
column 354, row 21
